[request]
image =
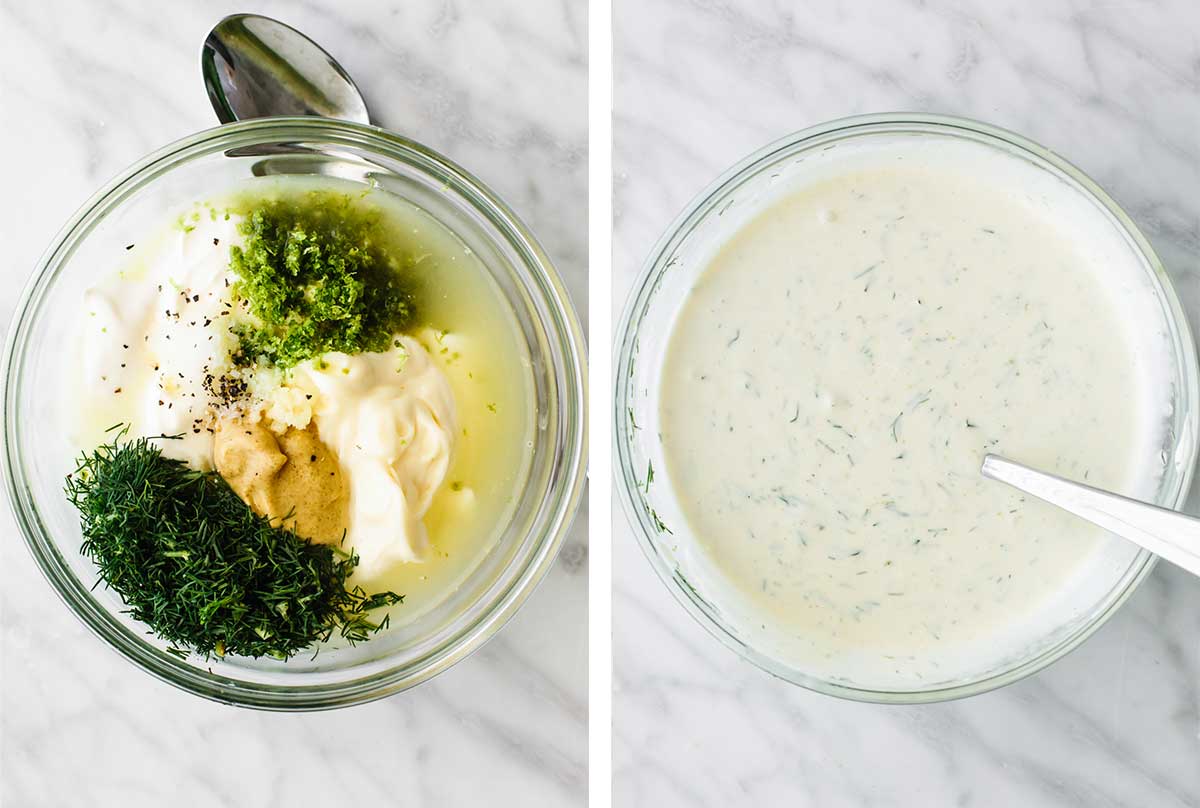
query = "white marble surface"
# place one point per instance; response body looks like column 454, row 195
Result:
column 90, row 86
column 1115, row 87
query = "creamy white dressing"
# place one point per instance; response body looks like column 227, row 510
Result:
column 840, row 369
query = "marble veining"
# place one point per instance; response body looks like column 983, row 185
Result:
column 1113, row 87
column 89, row 87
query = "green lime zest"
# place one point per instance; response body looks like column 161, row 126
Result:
column 316, row 277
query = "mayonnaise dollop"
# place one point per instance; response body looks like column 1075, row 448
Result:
column 390, row 418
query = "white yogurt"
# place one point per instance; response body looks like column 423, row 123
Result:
column 157, row 330
column 840, row 369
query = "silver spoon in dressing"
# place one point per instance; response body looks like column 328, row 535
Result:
column 1165, row 533
column 257, row 67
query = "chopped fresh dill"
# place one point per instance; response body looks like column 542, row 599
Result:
column 659, row 525
column 200, row 568
column 686, row 584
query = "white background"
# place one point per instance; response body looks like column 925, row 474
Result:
column 1115, row 88
column 87, row 88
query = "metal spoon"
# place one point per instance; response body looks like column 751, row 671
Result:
column 1165, row 533
column 257, row 67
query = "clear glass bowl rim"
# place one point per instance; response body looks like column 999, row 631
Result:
column 696, row 210
column 563, row 330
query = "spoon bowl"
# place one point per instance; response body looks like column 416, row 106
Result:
column 257, row 67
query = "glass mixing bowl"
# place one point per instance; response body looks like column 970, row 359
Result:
column 37, row 455
column 645, row 329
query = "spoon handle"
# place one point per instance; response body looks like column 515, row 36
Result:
column 1165, row 533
